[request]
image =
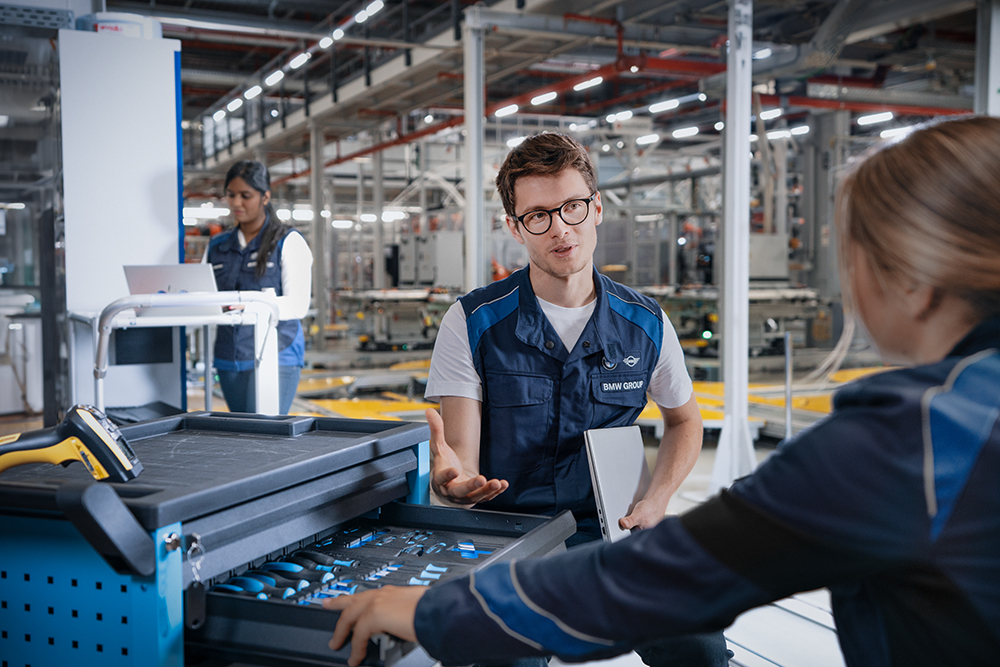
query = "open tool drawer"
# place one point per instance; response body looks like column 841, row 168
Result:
column 270, row 613
column 106, row 575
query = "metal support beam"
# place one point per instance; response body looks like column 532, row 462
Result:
column 988, row 58
column 735, row 456
column 335, row 236
column 321, row 243
column 424, row 167
column 475, row 214
column 378, row 196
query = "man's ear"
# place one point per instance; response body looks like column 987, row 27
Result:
column 515, row 229
column 598, row 210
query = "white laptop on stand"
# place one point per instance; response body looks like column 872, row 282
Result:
column 619, row 473
column 172, row 279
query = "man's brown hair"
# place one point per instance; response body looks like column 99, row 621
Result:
column 543, row 155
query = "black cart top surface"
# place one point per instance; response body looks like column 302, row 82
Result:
column 199, row 463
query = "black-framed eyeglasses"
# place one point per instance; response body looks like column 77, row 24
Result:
column 572, row 212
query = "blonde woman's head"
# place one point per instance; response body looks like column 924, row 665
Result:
column 926, row 210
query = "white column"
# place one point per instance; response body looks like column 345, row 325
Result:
column 734, row 456
column 321, row 229
column 378, row 267
column 987, row 100
column 472, row 38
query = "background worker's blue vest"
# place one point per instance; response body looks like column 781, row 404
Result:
column 235, row 269
column 539, row 398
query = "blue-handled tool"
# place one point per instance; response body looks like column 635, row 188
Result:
column 252, row 585
column 277, row 580
column 296, row 571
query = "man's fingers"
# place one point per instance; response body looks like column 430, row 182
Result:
column 488, row 490
column 444, row 475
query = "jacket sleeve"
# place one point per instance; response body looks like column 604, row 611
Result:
column 797, row 524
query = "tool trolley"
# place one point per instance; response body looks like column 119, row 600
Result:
column 225, row 546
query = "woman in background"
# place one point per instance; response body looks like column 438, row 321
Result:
column 260, row 253
column 891, row 502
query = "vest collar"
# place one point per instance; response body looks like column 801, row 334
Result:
column 232, row 244
column 534, row 329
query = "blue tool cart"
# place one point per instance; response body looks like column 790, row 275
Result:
column 225, row 545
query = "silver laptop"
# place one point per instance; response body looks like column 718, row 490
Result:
column 172, row 279
column 619, row 473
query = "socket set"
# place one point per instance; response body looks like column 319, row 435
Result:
column 270, row 611
column 361, row 556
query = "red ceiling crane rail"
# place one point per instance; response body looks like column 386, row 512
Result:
column 847, row 105
column 607, row 72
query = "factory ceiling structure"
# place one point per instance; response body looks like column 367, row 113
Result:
column 259, row 77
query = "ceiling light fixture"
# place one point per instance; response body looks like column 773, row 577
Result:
column 589, row 83
column 664, row 106
column 876, row 118
column 274, row 77
column 506, row 111
column 647, row 139
column 300, row 60
column 235, row 104
column 685, row 132
column 770, row 114
column 543, row 98
column 252, row 92
column 325, row 42
column 897, row 132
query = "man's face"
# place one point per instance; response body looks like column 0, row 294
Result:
column 564, row 249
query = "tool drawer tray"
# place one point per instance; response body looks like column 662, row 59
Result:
column 271, row 612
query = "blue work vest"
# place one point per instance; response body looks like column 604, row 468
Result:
column 539, row 398
column 235, row 269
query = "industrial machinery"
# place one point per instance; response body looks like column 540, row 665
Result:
column 224, row 548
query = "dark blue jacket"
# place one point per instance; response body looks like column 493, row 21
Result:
column 539, row 398
column 893, row 502
column 235, row 269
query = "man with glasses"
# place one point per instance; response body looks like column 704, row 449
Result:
column 522, row 367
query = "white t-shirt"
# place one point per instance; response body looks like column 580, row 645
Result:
column 452, row 372
column 296, row 275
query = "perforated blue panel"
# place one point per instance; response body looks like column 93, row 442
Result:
column 62, row 604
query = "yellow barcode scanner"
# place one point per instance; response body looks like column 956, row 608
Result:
column 85, row 435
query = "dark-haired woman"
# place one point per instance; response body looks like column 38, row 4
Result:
column 260, row 253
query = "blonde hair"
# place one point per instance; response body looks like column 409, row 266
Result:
column 926, row 209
